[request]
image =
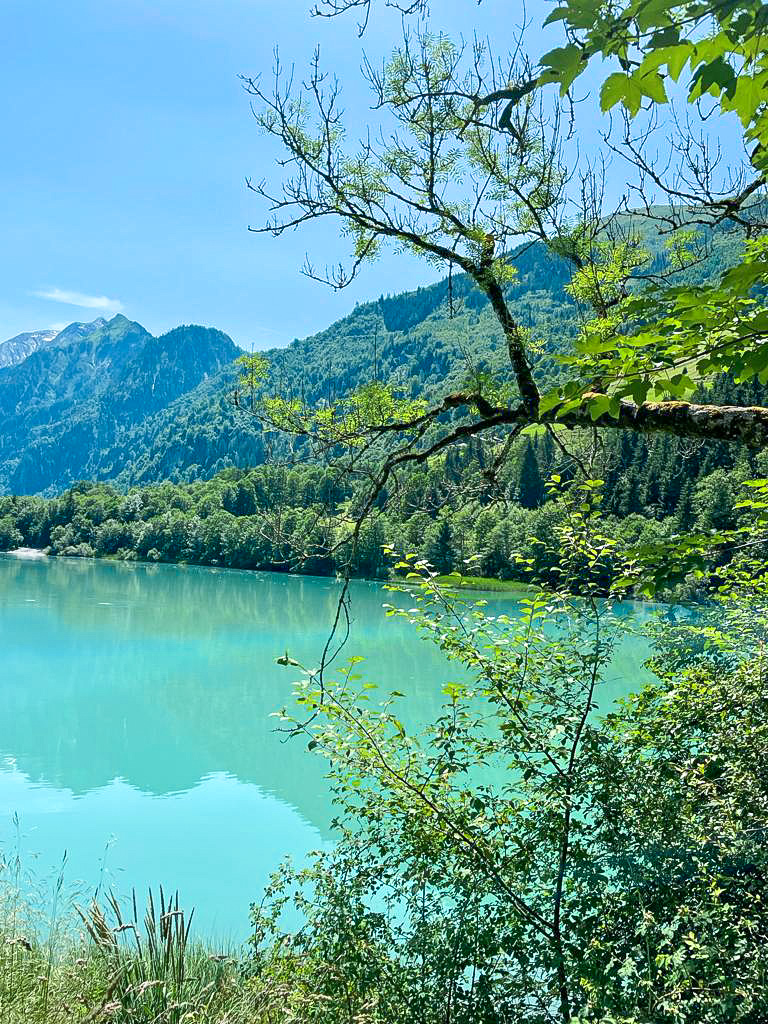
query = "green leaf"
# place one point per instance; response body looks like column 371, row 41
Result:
column 633, row 97
column 612, row 91
column 549, row 401
column 667, row 38
column 651, row 85
column 567, row 61
column 559, row 14
column 650, row 13
column 599, row 406
column 715, row 77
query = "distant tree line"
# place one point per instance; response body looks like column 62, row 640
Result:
column 454, row 512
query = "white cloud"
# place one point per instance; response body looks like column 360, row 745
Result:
column 79, row 299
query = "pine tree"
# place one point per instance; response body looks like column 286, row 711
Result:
column 685, row 516
column 530, row 486
column 546, row 455
column 671, row 484
column 441, row 552
column 628, row 495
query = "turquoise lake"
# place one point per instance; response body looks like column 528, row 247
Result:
column 135, row 728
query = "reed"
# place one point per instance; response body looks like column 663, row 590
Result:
column 110, row 964
column 155, row 974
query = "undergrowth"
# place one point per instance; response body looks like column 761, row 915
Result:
column 109, row 962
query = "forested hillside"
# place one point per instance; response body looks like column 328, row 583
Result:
column 450, row 513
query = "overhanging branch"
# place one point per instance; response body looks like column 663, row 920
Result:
column 746, row 425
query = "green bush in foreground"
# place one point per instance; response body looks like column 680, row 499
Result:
column 531, row 856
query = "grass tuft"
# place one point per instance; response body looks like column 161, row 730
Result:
column 106, row 964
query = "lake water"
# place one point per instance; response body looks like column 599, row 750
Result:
column 135, row 728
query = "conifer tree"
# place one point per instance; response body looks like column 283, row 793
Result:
column 685, row 516
column 531, row 485
column 441, row 552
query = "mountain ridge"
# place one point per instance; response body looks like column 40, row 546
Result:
column 110, row 401
column 66, row 404
column 15, row 350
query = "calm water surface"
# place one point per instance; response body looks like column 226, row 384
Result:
column 135, row 728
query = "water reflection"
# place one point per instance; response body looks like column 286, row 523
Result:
column 136, row 701
column 162, row 675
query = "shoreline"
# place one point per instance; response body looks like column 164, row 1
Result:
column 27, row 553
column 469, row 586
column 473, row 584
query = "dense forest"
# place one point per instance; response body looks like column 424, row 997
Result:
column 450, row 513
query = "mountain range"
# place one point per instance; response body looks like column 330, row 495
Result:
column 16, row 350
column 110, row 401
column 69, row 409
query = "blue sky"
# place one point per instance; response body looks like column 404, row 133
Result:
column 127, row 138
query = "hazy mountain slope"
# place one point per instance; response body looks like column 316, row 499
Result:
column 66, row 408
column 16, row 350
